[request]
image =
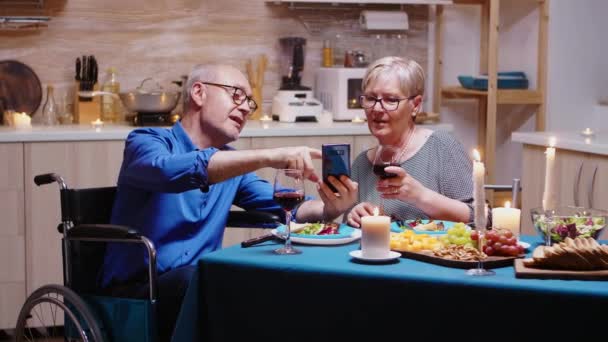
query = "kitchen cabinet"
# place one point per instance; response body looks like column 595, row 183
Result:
column 582, row 180
column 12, row 234
column 488, row 100
column 81, row 164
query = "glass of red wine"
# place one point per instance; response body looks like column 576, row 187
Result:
column 288, row 193
column 386, row 155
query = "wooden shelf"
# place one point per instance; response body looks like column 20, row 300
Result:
column 503, row 96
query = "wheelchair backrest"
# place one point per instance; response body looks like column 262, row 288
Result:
column 86, row 206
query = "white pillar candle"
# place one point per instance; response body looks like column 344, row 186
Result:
column 375, row 235
column 507, row 218
column 550, row 192
column 479, row 196
column 22, row 121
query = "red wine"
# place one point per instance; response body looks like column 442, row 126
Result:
column 288, row 200
column 379, row 170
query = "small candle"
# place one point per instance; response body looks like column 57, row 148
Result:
column 375, row 235
column 357, row 119
column 266, row 117
column 507, row 218
column 479, row 196
column 549, row 194
column 97, row 124
column 587, row 132
column 22, row 121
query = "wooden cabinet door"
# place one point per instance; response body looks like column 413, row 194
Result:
column 596, row 183
column 571, row 170
column 81, row 164
column 12, row 234
column 532, row 184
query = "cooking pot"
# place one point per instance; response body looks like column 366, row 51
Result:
column 141, row 100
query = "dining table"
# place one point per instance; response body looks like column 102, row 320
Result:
column 323, row 294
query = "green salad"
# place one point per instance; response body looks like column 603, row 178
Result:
column 569, row 226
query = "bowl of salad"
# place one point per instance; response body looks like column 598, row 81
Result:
column 569, row 222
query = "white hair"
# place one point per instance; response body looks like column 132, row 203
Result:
column 200, row 73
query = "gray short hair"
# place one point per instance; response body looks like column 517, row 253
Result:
column 200, row 72
column 408, row 72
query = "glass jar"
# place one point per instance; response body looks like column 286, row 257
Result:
column 110, row 106
column 49, row 110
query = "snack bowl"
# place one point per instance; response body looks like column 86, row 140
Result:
column 569, row 222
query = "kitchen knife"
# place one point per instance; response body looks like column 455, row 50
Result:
column 94, row 71
column 84, row 74
column 295, row 228
column 78, row 69
column 259, row 239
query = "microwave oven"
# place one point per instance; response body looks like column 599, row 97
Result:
column 339, row 89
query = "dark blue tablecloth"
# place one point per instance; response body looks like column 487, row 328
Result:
column 324, row 294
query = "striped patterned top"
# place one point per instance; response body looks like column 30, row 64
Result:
column 441, row 165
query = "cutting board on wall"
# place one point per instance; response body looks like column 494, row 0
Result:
column 20, row 88
column 521, row 271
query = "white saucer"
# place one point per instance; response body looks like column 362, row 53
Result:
column 525, row 245
column 359, row 256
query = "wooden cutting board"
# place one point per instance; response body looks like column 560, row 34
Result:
column 489, row 262
column 521, row 271
column 20, row 88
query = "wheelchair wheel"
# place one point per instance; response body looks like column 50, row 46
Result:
column 50, row 307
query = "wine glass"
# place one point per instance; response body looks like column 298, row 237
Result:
column 288, row 193
column 386, row 155
column 481, row 229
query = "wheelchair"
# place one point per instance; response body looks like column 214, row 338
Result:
column 78, row 310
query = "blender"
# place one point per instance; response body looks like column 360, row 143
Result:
column 294, row 102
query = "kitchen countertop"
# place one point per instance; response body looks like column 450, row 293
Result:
column 252, row 129
column 575, row 141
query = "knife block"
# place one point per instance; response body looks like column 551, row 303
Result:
column 86, row 112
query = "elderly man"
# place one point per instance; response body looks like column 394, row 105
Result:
column 176, row 186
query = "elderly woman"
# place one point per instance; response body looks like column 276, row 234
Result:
column 431, row 172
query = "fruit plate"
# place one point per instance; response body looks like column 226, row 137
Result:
column 396, row 227
column 489, row 262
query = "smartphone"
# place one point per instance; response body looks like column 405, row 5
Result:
column 336, row 162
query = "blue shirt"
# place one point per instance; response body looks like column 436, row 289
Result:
column 163, row 192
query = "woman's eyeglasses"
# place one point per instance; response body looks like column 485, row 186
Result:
column 388, row 104
column 238, row 95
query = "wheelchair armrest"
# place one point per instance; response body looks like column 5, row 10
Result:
column 252, row 219
column 116, row 233
column 103, row 232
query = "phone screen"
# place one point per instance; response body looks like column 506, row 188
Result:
column 336, row 162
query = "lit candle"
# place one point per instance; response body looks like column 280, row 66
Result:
column 357, row 119
column 97, row 124
column 587, row 132
column 507, row 218
column 266, row 117
column 375, row 235
column 549, row 194
column 22, row 121
column 479, row 196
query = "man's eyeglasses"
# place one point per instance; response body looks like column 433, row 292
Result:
column 238, row 95
column 388, row 104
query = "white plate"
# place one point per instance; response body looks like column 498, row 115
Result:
column 357, row 254
column 525, row 245
column 356, row 234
